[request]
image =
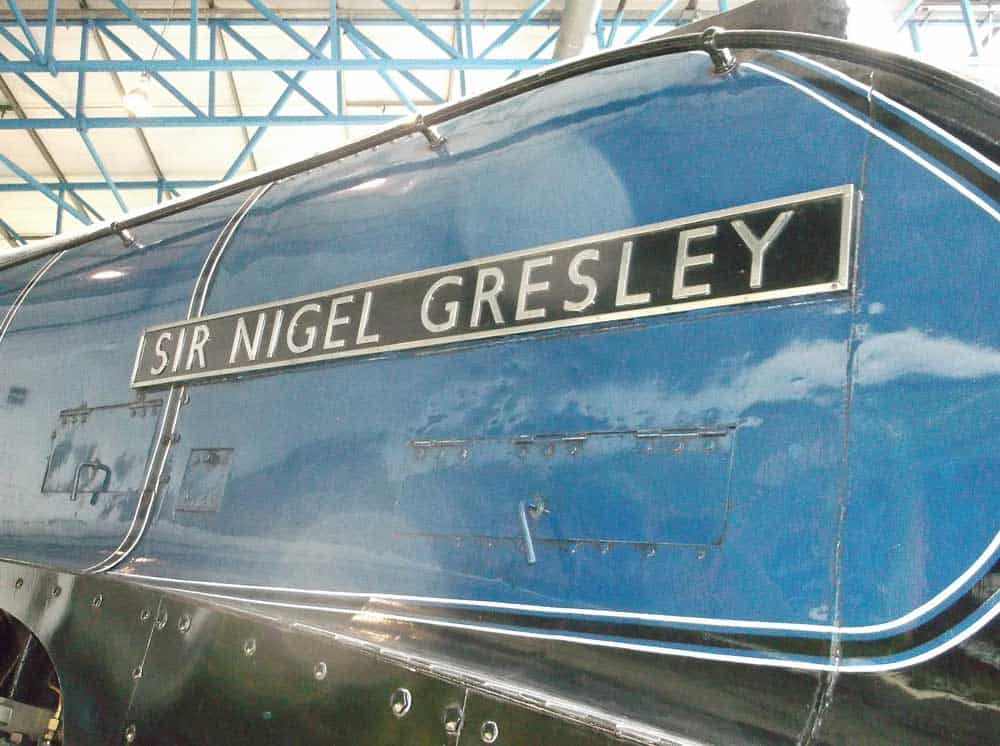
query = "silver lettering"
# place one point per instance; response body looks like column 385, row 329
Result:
column 451, row 307
column 527, row 287
column 329, row 343
column 293, row 325
column 584, row 281
column 160, row 354
column 242, row 336
column 272, row 345
column 487, row 296
column 179, row 351
column 622, row 296
column 685, row 261
column 366, row 312
column 198, row 339
column 759, row 246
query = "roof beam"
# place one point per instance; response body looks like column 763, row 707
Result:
column 236, row 99
column 134, row 56
column 369, row 54
column 12, row 236
column 145, row 26
column 423, row 28
column 275, row 110
column 382, row 54
column 40, row 145
column 526, row 16
column 19, row 17
column 288, row 79
column 665, row 7
column 120, row 87
column 282, row 24
column 39, row 186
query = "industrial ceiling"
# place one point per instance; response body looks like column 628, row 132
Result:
column 111, row 105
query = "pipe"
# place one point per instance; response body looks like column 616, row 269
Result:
column 578, row 19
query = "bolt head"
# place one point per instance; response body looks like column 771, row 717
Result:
column 184, row 623
column 97, row 601
column 319, row 671
column 400, row 702
column 489, row 732
column 130, row 734
column 249, row 647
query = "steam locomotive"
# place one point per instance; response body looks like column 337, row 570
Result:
column 647, row 399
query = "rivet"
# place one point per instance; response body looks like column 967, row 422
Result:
column 550, row 450
column 137, row 672
column 400, row 702
column 649, row 551
column 319, row 671
column 161, row 619
column 97, row 601
column 465, row 454
column 709, row 445
column 605, row 547
column 249, row 647
column 702, row 554
column 573, row 450
column 184, row 623
column 56, row 590
column 489, row 732
column 679, row 447
column 130, row 734
column 19, row 583
column 145, row 614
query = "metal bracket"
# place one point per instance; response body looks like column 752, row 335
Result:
column 722, row 58
column 434, row 138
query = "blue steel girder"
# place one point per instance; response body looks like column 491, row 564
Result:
column 40, row 187
column 381, row 54
column 288, row 80
column 19, row 17
column 148, row 28
column 135, row 57
column 293, row 85
column 528, row 14
column 369, row 54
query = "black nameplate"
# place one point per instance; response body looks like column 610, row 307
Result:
column 797, row 245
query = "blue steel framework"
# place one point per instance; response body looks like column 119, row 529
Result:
column 33, row 39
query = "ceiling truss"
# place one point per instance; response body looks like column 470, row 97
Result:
column 458, row 42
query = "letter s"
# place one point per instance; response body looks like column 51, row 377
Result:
column 160, row 354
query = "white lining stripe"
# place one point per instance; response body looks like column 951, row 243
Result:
column 927, row 606
column 848, row 81
column 946, row 178
column 776, row 662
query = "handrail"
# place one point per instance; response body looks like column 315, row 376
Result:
column 708, row 41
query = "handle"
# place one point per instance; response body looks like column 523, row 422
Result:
column 96, row 466
column 529, row 546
